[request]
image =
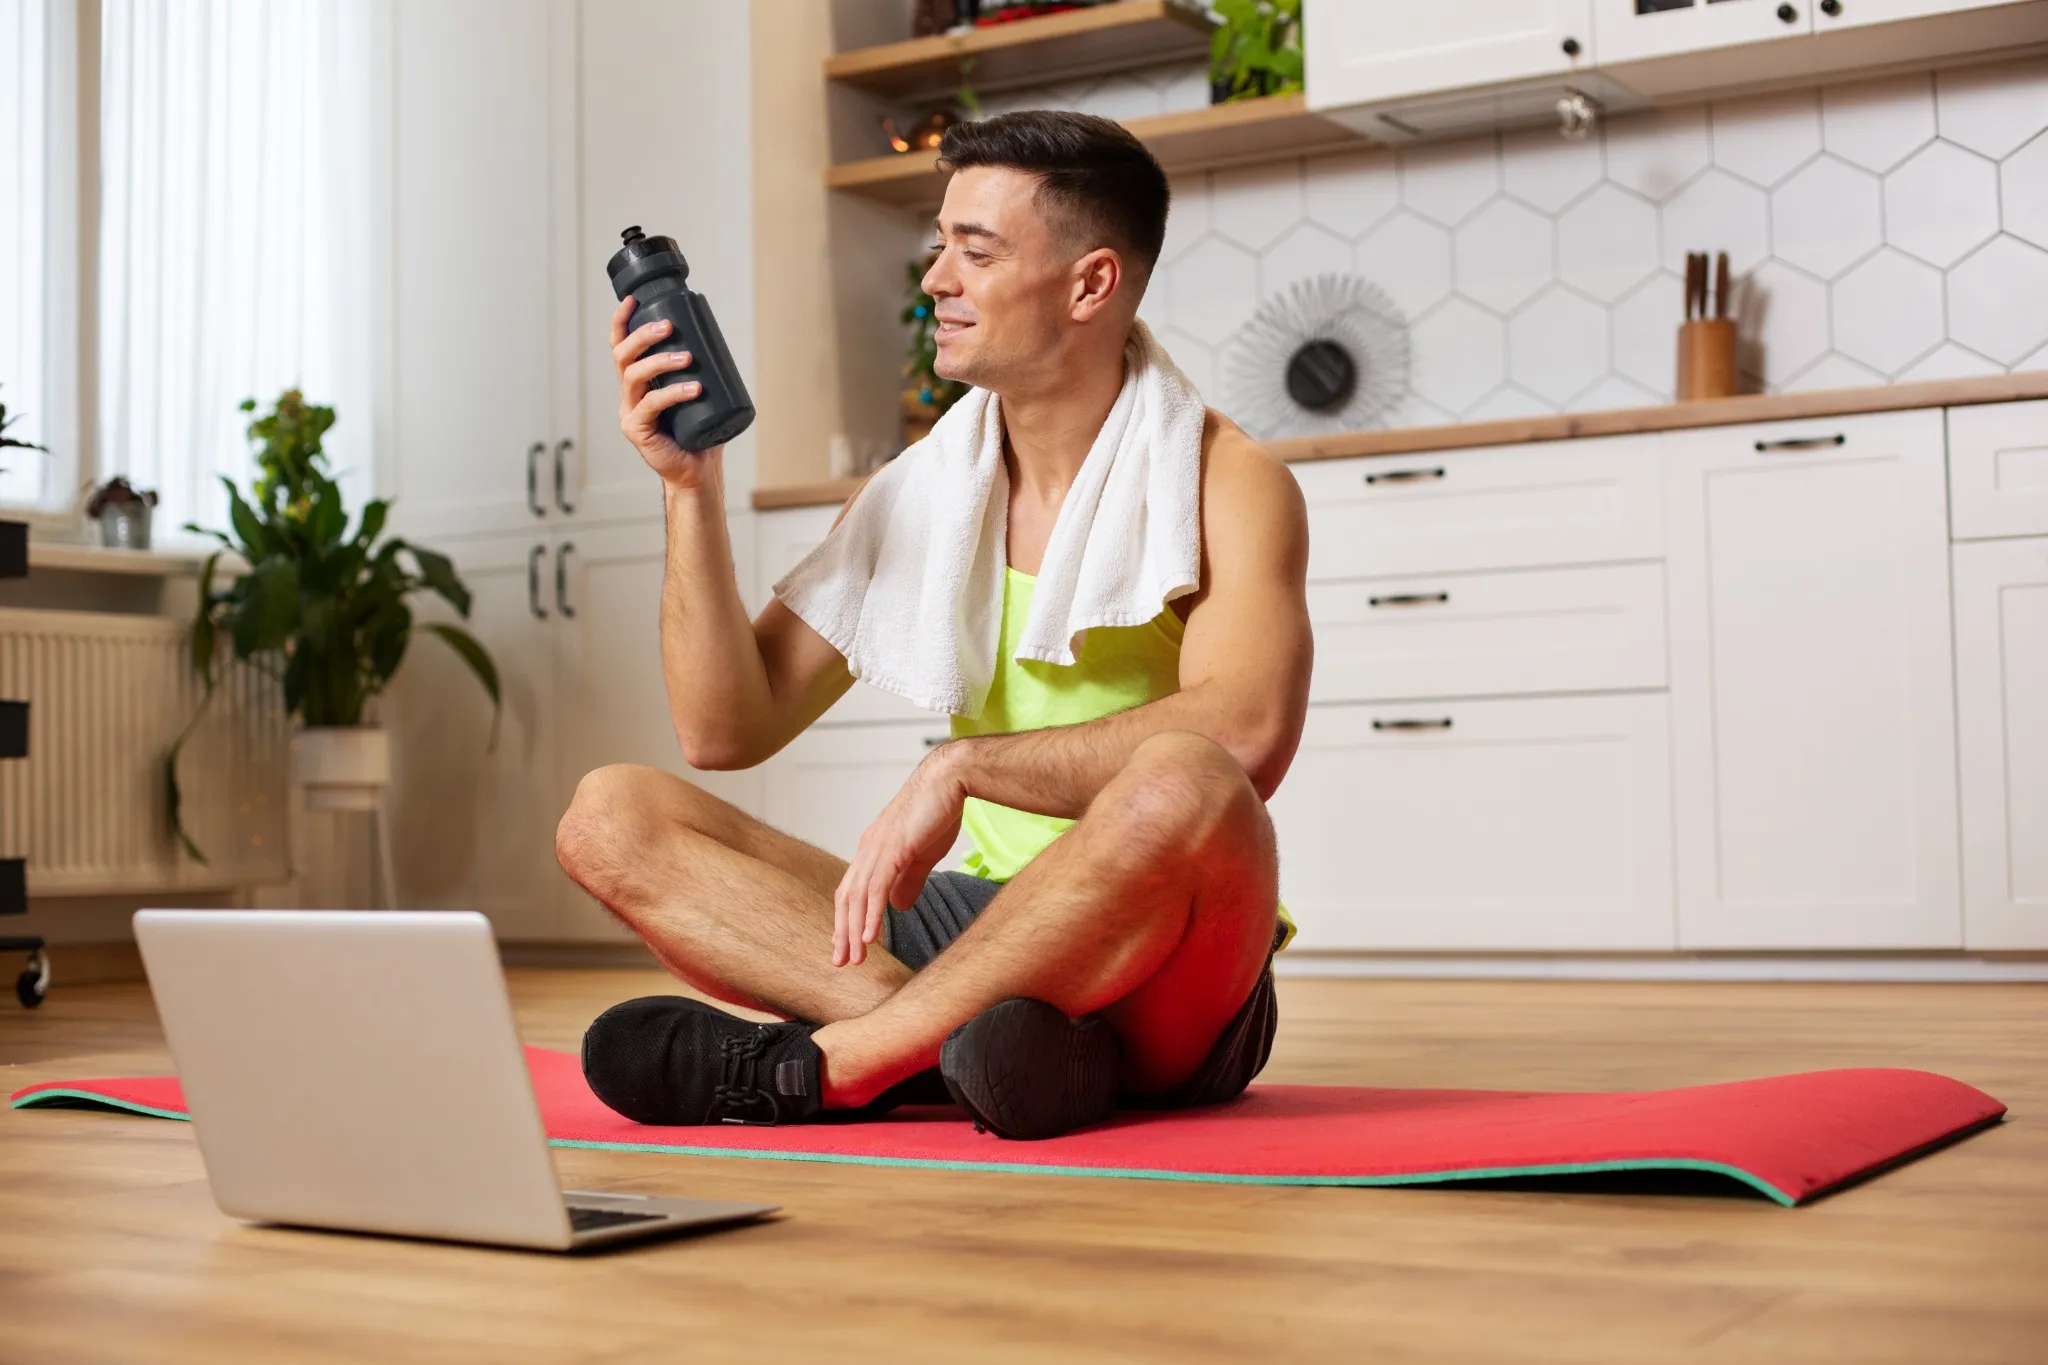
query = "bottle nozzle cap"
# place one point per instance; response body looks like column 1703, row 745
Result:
column 632, row 234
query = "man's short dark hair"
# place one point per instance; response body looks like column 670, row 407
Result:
column 1097, row 184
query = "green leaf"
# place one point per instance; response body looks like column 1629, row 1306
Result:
column 372, row 525
column 203, row 636
column 437, row 571
column 385, row 640
column 479, row 660
column 270, row 611
column 257, row 540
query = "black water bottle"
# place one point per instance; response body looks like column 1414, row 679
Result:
column 653, row 271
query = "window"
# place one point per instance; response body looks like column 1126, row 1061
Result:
column 229, row 163
column 38, row 248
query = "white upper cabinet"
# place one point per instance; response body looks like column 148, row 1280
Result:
column 1829, row 15
column 2002, row 723
column 1634, row 30
column 1812, row 698
column 1367, row 53
column 483, row 199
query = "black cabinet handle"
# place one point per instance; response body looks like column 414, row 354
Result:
column 934, row 741
column 533, row 558
column 562, row 450
column 1831, row 8
column 1787, row 14
column 1802, row 442
column 533, row 454
column 1409, row 599
column 1405, row 476
column 1443, row 724
column 562, row 553
column 1571, row 47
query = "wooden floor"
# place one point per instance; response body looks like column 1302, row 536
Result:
column 111, row 1250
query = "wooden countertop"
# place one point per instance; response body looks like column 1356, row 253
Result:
column 1715, row 412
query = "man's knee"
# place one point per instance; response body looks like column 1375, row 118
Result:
column 614, row 808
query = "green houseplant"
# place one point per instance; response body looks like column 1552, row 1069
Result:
column 8, row 442
column 321, row 609
column 1255, row 50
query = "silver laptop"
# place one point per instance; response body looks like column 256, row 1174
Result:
column 360, row 1070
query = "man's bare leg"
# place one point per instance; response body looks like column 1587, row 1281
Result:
column 1156, row 908
column 734, row 907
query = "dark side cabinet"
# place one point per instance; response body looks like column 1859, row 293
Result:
column 33, row 982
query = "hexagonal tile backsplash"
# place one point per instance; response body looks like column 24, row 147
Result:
column 1886, row 230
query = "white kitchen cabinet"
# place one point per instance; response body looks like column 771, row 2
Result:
column 1812, row 698
column 1998, row 470
column 1635, row 30
column 1367, row 53
column 1509, row 507
column 828, row 786
column 473, row 825
column 1829, row 15
column 611, row 698
column 1494, row 634
column 483, row 263
column 1499, row 825
column 573, row 623
column 2001, row 605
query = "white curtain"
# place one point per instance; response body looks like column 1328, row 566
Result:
column 33, row 370
column 236, row 241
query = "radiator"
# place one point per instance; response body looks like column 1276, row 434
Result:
column 107, row 694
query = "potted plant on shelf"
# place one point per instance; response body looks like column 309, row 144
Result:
column 1255, row 50
column 320, row 609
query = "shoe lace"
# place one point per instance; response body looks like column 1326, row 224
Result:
column 740, row 1096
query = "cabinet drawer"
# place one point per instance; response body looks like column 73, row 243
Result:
column 1579, row 502
column 1998, row 470
column 1490, row 825
column 1467, row 635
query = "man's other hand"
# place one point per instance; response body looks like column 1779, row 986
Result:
column 641, row 404
column 898, row 851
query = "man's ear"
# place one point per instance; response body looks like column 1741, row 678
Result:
column 1098, row 280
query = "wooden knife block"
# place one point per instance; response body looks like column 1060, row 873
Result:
column 1706, row 359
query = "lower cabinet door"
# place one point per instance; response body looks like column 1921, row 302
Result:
column 1525, row 824
column 828, row 785
column 2001, row 589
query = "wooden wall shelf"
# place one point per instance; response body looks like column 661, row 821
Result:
column 1114, row 37
column 1197, row 140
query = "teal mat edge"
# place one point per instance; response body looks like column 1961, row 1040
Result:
column 1105, row 1172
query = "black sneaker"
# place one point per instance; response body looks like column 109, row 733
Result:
column 1022, row 1069
column 668, row 1059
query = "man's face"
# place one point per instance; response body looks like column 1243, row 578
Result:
column 1004, row 283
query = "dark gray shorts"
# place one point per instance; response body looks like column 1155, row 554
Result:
column 951, row 900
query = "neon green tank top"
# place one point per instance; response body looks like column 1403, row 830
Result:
column 1116, row 668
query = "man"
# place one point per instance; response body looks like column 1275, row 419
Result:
column 1112, row 939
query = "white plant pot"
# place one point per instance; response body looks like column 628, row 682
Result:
column 342, row 767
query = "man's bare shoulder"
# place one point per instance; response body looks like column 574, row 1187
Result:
column 1241, row 475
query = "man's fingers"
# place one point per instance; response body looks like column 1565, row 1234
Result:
column 653, row 366
column 657, row 401
column 839, row 922
column 628, row 349
column 621, row 316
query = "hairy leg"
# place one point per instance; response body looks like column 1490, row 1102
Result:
column 1156, row 909
column 734, row 907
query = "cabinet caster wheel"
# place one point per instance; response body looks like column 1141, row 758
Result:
column 32, row 985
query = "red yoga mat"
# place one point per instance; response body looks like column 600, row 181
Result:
column 1792, row 1137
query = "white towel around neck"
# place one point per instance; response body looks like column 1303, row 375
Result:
column 909, row 587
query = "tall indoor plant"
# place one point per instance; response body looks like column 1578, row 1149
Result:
column 322, row 610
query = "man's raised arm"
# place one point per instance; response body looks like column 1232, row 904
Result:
column 738, row 690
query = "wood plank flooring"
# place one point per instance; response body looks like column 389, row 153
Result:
column 111, row 1250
